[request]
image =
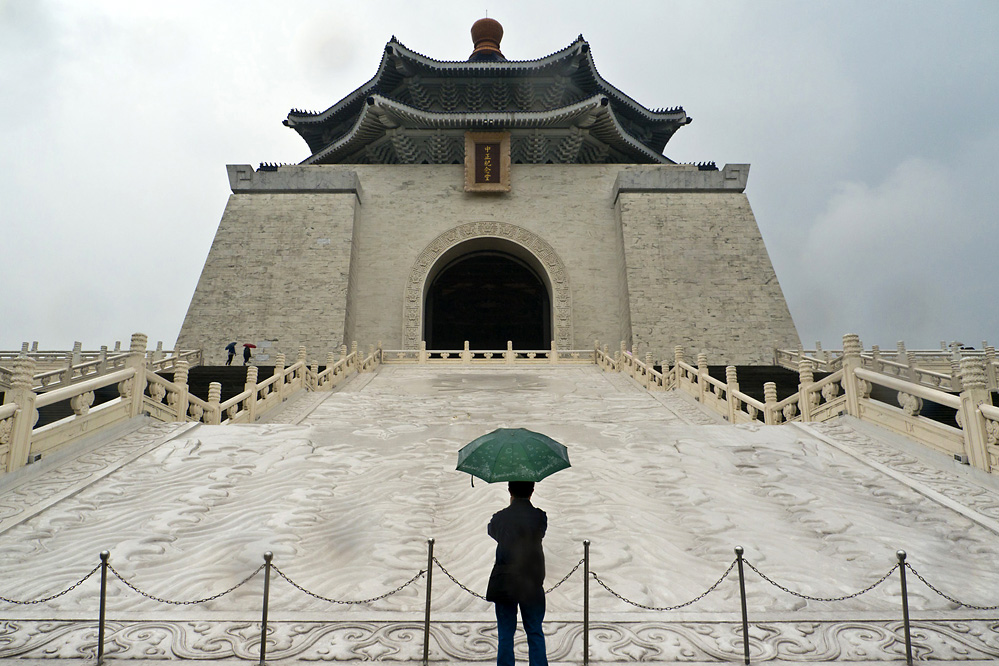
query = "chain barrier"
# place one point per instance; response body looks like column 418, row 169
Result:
column 186, row 603
column 409, row 582
column 946, row 596
column 54, row 596
column 805, row 596
column 666, row 608
column 479, row 596
column 565, row 577
column 456, row 581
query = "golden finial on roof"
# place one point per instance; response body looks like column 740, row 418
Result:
column 486, row 35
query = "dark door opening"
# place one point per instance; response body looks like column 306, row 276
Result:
column 487, row 298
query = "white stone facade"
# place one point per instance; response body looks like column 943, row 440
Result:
column 655, row 255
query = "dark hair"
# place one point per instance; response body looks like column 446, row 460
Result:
column 522, row 489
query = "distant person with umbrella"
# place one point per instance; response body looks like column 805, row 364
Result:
column 246, row 352
column 231, row 348
column 519, row 457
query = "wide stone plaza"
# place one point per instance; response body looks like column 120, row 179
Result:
column 345, row 488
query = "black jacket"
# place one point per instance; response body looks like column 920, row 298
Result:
column 519, row 572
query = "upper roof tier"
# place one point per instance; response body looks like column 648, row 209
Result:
column 416, row 109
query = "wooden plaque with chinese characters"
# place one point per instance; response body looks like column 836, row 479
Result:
column 487, row 161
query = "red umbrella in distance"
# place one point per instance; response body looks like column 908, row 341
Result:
column 251, row 346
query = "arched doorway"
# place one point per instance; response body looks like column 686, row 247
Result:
column 487, row 297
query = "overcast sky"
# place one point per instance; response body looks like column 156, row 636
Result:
column 871, row 128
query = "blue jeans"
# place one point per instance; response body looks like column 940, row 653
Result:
column 506, row 625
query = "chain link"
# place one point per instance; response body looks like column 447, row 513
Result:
column 565, row 577
column 186, row 603
column 666, row 608
column 456, row 581
column 349, row 602
column 805, row 596
column 476, row 594
column 946, row 596
column 54, row 596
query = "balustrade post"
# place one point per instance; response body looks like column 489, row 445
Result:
column 702, row 376
column 742, row 596
column 677, row 359
column 133, row 389
column 312, row 376
column 586, row 602
column 353, row 351
column 648, row 370
column 77, row 356
column 423, row 352
column 553, row 355
column 26, row 416
column 620, row 356
column 991, row 377
column 66, row 376
column 466, row 355
column 24, row 348
column 102, row 360
column 876, row 356
column 851, row 384
column 34, row 346
column 975, row 392
column 770, row 414
column 158, row 354
column 607, row 354
column 278, row 385
column 371, row 355
column 910, row 363
column 900, row 354
column 426, row 616
column 251, row 401
column 806, row 377
column 509, row 352
column 955, row 374
column 731, row 386
column 182, row 399
column 330, row 362
column 214, row 415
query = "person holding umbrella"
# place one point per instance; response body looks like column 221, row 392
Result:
column 518, row 576
column 519, row 457
column 246, row 352
column 231, row 348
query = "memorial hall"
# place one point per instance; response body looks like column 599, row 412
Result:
column 495, row 248
column 490, row 201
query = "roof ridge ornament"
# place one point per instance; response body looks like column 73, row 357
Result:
column 487, row 34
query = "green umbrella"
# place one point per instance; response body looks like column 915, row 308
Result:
column 512, row 454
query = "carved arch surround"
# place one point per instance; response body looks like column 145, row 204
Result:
column 536, row 246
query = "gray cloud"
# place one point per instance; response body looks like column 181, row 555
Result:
column 869, row 127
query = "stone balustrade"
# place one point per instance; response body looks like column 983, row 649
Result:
column 59, row 369
column 934, row 368
column 848, row 390
column 142, row 391
column 466, row 355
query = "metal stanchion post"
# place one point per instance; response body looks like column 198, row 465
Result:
column 586, row 602
column 426, row 617
column 742, row 594
column 104, row 595
column 905, row 607
column 268, row 556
